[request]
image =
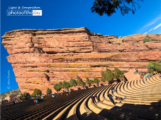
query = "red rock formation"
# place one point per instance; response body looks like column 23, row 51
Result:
column 41, row 58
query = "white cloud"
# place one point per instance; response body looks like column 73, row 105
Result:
column 157, row 26
column 149, row 24
column 154, row 28
column 151, row 29
column 152, row 22
column 145, row 32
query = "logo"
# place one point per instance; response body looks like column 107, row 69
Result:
column 24, row 11
column 37, row 12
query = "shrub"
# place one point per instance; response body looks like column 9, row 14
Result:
column 72, row 82
column 36, row 92
column 48, row 91
column 146, row 40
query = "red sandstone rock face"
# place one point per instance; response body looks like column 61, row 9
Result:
column 42, row 58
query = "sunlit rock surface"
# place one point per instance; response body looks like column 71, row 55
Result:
column 40, row 58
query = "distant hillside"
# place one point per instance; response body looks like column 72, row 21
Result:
column 15, row 91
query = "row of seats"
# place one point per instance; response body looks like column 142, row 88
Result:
column 141, row 99
column 141, row 103
column 47, row 106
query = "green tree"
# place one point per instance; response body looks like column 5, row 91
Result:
column 158, row 66
column 159, row 61
column 48, row 91
column 96, row 80
column 36, row 92
column 111, row 6
column 83, row 84
column 118, row 73
column 108, row 70
column 114, row 76
column 21, row 97
column 146, row 40
column 109, row 75
column 103, row 74
column 79, row 81
column 24, row 96
column 122, row 75
column 151, row 66
column 60, row 84
column 66, row 85
column 73, row 82
column 154, row 66
column 89, row 82
column 57, row 87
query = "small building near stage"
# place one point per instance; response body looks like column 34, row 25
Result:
column 132, row 75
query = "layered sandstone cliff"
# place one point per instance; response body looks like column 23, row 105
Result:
column 40, row 58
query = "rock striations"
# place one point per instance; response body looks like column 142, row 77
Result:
column 40, row 58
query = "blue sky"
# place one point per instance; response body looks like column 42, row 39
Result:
column 74, row 14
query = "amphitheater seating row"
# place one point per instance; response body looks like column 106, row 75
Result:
column 141, row 103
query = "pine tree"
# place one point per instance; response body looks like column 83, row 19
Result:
column 79, row 80
column 66, row 85
column 83, row 84
column 87, row 81
column 48, row 91
column 73, row 82
column 118, row 73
